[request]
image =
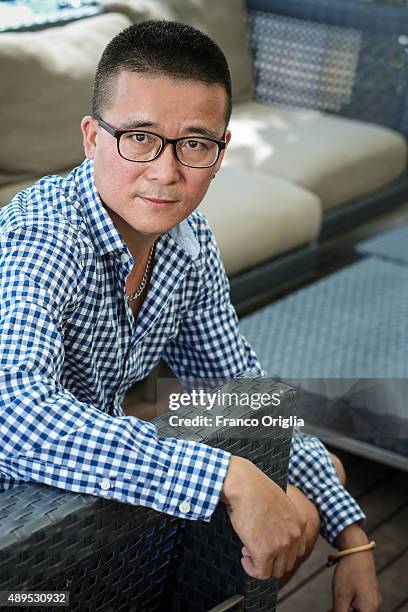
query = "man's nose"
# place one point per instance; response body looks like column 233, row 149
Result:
column 165, row 168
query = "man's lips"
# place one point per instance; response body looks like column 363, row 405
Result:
column 158, row 203
column 158, row 200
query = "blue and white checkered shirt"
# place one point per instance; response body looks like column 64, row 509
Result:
column 70, row 348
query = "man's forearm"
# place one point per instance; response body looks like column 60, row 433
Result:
column 352, row 535
column 234, row 479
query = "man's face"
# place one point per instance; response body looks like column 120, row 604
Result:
column 169, row 107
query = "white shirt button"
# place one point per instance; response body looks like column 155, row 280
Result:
column 185, row 507
column 124, row 258
column 105, row 484
column 119, row 294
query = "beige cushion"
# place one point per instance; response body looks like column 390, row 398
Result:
column 223, row 20
column 256, row 217
column 46, row 84
column 338, row 159
column 7, row 192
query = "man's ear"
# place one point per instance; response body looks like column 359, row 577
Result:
column 221, row 157
column 89, row 128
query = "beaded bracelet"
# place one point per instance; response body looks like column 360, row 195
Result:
column 334, row 557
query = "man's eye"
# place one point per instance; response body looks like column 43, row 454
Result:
column 195, row 144
column 138, row 138
column 143, row 138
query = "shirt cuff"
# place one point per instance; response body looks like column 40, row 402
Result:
column 194, row 479
column 312, row 471
column 338, row 510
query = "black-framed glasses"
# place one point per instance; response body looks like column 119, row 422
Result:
column 141, row 146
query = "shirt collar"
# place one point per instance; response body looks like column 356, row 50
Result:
column 104, row 234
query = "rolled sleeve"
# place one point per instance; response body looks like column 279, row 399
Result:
column 312, row 471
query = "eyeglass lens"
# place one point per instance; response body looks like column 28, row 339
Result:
column 141, row 146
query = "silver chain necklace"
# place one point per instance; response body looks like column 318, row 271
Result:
column 142, row 285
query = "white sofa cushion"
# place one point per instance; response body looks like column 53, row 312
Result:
column 256, row 217
column 223, row 20
column 45, row 91
column 7, row 192
column 338, row 159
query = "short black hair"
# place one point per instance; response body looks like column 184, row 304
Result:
column 161, row 48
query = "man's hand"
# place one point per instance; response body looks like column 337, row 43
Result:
column 264, row 518
column 355, row 583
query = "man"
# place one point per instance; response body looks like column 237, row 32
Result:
column 108, row 270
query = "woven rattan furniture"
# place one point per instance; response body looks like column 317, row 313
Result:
column 295, row 44
column 344, row 57
column 116, row 557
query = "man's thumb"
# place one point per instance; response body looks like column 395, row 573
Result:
column 249, row 566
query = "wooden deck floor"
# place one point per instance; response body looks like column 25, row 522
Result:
column 382, row 492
